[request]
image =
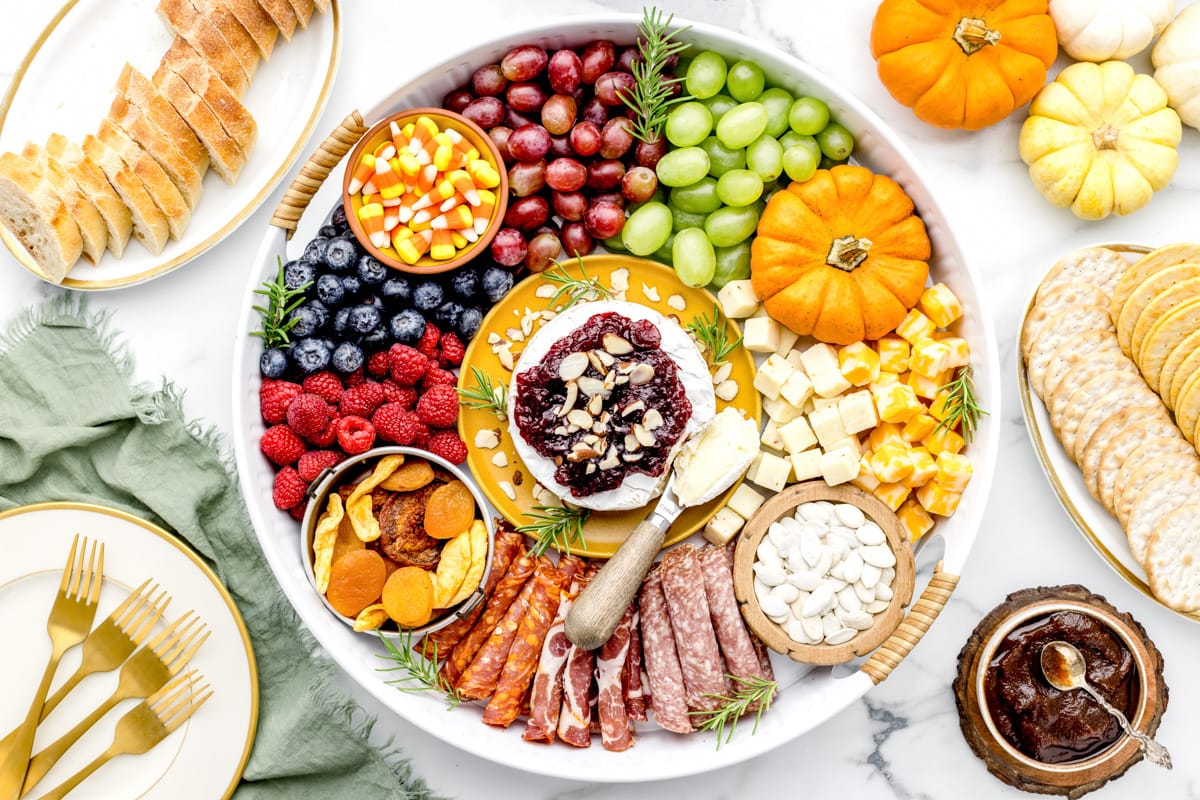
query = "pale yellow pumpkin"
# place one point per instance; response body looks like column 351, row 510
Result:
column 1176, row 60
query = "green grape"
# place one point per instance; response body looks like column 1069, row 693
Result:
column 681, row 219
column 680, row 69
column 688, row 124
column 693, row 256
column 696, row 198
column 705, row 75
column 745, row 81
column 646, row 229
column 790, row 139
column 682, row 167
column 764, row 157
column 742, row 125
column 718, row 105
column 729, row 226
column 808, row 115
column 614, row 244
column 733, row 264
column 829, row 163
column 778, row 103
column 739, row 187
column 800, row 162
column 663, row 254
column 721, row 159
column 836, row 142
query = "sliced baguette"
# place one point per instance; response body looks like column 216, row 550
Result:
column 206, row 82
column 158, row 184
column 186, row 178
column 34, row 214
column 93, row 183
column 149, row 224
column 226, row 157
column 181, row 19
column 282, row 15
column 257, row 24
column 138, row 90
column 303, row 9
column 227, row 25
column 91, row 225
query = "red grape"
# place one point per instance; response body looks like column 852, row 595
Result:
column 639, row 184
column 523, row 63
column 647, row 154
column 549, row 226
column 560, row 147
column 527, row 213
column 457, row 100
column 616, row 198
column 610, row 87
column 597, row 58
column 509, row 247
column 525, row 97
column 603, row 220
column 576, row 240
column 571, row 206
column 500, row 136
column 616, row 137
column 604, row 176
column 674, row 86
column 558, row 114
column 529, row 143
column 486, row 112
column 526, row 179
column 515, row 119
column 626, row 58
column 585, row 138
column 594, row 112
column 566, row 175
column 565, row 71
column 488, row 81
column 543, row 249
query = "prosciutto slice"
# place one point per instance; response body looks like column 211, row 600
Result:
column 575, row 718
column 479, row 679
column 695, row 640
column 635, row 700
column 497, row 606
column 663, row 674
column 610, row 703
column 545, row 697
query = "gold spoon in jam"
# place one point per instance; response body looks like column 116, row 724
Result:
column 1065, row 669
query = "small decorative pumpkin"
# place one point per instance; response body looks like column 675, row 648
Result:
column 963, row 63
column 1100, row 139
column 1109, row 30
column 841, row 256
column 1176, row 60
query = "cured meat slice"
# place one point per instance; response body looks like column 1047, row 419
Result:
column 522, row 659
column 760, row 647
column 736, row 646
column 545, row 696
column 506, row 591
column 635, row 700
column 663, row 674
column 610, row 699
column 695, row 639
column 479, row 679
column 575, row 719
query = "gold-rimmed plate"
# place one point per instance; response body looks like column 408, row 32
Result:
column 205, row 757
column 66, row 82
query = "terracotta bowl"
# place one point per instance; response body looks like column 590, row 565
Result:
column 380, row 132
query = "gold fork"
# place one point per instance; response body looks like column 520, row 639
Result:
column 68, row 625
column 146, row 671
column 144, row 726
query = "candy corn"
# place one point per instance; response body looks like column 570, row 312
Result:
column 442, row 246
column 371, row 217
column 363, row 172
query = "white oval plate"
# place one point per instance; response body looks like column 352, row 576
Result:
column 807, row 698
column 201, row 760
column 65, row 84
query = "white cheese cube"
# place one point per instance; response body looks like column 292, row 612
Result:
column 770, row 435
column 830, row 384
column 857, row 410
column 825, row 402
column 737, row 299
column 806, row 465
column 820, row 358
column 760, row 335
column 773, row 472
column 796, row 359
column 723, row 526
column 787, row 340
column 781, row 410
column 827, row 425
column 849, row 441
column 797, row 388
column 839, row 466
column 772, row 375
column 797, row 435
column 745, row 500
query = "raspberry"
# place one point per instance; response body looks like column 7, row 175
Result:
column 438, row 407
column 447, row 445
column 408, row 365
column 297, row 512
column 355, row 378
column 324, row 384
column 379, row 364
column 281, row 444
column 422, row 440
column 438, row 377
column 429, row 340
column 308, row 414
column 395, row 393
column 288, row 491
column 452, row 350
column 328, row 434
column 393, row 423
column 362, row 400
column 355, row 434
column 312, row 462
column 274, row 397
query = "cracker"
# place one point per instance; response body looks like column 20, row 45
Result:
column 1163, row 494
column 1128, row 387
column 1187, row 368
column 1082, row 373
column 1186, row 352
column 1168, row 301
column 1170, row 330
column 1098, row 266
column 1146, row 292
column 1067, row 354
column 1063, row 297
column 1136, row 480
column 1147, row 265
column 1187, row 410
column 1095, row 433
column 1173, row 559
column 1148, row 439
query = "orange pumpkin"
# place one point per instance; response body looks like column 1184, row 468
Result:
column 963, row 63
column 841, row 256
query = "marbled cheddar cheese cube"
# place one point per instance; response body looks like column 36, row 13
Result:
column 918, row 427
column 914, row 519
column 745, row 501
column 940, row 305
column 859, row 363
column 929, row 357
column 737, row 299
column 797, row 436
column 954, row 471
column 891, row 463
column 760, row 335
column 724, row 525
column 771, row 375
column 770, row 435
column 850, row 442
column 787, row 340
column 797, row 389
column 937, row 499
column 943, row 441
column 806, row 465
column 781, row 410
column 893, row 354
column 857, row 410
column 924, row 468
column 886, row 433
column 866, row 479
column 915, row 327
column 826, row 423
column 823, row 369
column 839, row 466
column 923, row 387
column 960, row 351
column 892, row 494
column 937, row 409
column 885, row 379
column 773, row 472
column 897, row 402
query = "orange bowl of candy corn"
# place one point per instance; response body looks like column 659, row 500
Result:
column 423, row 192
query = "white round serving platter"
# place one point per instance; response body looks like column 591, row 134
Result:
column 204, row 758
column 807, row 697
column 66, row 82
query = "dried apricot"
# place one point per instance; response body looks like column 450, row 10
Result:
column 408, row 597
column 347, row 540
column 356, row 581
column 409, row 477
column 450, row 510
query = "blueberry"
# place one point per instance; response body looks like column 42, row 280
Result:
column 330, row 291
column 377, row 339
column 427, row 295
column 340, row 254
column 407, row 327
column 371, row 300
column 341, row 321
column 448, row 315
column 465, row 283
column 310, row 355
column 363, row 319
column 306, row 322
column 396, row 291
column 321, row 310
column 351, row 286
column 469, row 322
column 327, row 344
column 298, row 273
column 496, row 283
column 329, row 231
column 273, row 363
column 347, row 357
column 371, row 272
column 314, row 252
column 338, row 217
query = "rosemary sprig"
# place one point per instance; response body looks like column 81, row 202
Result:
column 962, row 406
column 711, row 333
column 281, row 301
column 556, row 525
column 571, row 289
column 652, row 97
column 485, row 395
column 421, row 674
column 752, row 692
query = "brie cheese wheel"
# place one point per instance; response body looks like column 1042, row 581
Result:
column 637, row 489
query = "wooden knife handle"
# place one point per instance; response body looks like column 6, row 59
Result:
column 913, row 627
column 315, row 171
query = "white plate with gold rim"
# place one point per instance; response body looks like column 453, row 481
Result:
column 66, row 82
column 205, row 757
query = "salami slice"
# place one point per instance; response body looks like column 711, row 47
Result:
column 663, row 675
column 545, row 697
column 732, row 636
column 635, row 700
column 575, row 718
column 479, row 678
column 610, row 699
column 695, row 639
column 506, row 591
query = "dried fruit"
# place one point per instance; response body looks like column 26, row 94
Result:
column 408, row 597
column 356, row 581
column 450, row 510
column 358, row 504
column 324, row 538
column 370, row 618
column 409, row 477
column 452, row 569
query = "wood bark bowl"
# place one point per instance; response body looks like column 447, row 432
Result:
column 1073, row 778
column 771, row 633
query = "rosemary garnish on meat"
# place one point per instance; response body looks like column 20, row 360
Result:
column 711, row 333
column 421, row 673
column 281, row 302
column 559, row 526
column 961, row 406
column 652, row 95
column 752, row 693
column 485, row 395
column 571, row 289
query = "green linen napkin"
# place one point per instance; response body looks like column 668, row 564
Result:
column 72, row 427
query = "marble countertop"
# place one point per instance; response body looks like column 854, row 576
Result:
column 902, row 740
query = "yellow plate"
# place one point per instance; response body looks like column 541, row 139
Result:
column 605, row 530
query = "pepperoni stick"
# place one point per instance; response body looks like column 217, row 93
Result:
column 610, row 704
column 506, row 591
column 479, row 679
column 695, row 640
column 663, row 674
column 635, row 701
column 740, row 658
column 545, row 696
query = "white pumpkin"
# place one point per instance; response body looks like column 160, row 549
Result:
column 1176, row 60
column 1105, row 30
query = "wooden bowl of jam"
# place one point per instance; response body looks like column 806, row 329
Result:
column 1034, row 736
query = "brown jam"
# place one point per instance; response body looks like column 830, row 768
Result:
column 641, row 412
column 1042, row 722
